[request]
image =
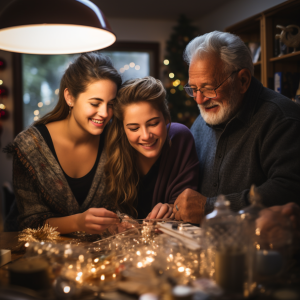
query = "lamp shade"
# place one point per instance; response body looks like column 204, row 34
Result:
column 54, row 27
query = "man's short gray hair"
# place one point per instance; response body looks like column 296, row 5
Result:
column 229, row 47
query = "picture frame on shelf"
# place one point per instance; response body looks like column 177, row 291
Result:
column 254, row 48
column 256, row 55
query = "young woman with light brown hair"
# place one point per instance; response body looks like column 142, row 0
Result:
column 150, row 160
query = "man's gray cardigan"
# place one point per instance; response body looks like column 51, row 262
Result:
column 260, row 145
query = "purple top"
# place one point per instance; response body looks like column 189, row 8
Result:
column 179, row 166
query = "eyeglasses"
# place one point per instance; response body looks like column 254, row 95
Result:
column 208, row 93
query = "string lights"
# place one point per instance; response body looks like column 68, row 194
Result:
column 128, row 66
column 141, row 256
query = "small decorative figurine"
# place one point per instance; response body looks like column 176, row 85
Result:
column 288, row 37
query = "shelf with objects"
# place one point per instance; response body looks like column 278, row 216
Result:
column 249, row 31
column 278, row 30
column 283, row 48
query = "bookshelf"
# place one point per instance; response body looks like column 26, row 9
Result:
column 261, row 29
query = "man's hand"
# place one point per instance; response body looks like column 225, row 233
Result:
column 276, row 223
column 189, row 206
column 292, row 211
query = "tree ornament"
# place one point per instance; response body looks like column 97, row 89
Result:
column 3, row 91
column 3, row 112
column 2, row 64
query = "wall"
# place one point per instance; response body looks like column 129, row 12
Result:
column 233, row 12
column 8, row 127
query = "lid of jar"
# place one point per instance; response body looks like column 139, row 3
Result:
column 149, row 296
column 181, row 292
column 222, row 202
column 255, row 203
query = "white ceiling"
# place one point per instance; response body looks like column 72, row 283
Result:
column 152, row 9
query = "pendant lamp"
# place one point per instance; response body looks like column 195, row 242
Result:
column 53, row 27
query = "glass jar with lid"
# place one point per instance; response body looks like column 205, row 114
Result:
column 269, row 236
column 225, row 248
column 249, row 216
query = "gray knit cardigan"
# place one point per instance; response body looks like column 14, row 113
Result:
column 40, row 187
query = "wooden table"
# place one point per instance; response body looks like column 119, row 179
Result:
column 9, row 240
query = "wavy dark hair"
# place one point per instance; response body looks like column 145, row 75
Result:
column 85, row 69
column 121, row 170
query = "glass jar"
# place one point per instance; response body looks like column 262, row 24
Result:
column 269, row 235
column 272, row 250
column 225, row 248
column 249, row 216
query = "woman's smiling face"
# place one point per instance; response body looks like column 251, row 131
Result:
column 93, row 108
column 145, row 128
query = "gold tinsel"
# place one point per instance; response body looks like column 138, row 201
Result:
column 44, row 233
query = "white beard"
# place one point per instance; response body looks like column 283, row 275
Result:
column 225, row 112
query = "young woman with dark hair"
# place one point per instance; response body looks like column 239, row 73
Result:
column 58, row 165
column 150, row 161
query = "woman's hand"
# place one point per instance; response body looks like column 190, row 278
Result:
column 96, row 220
column 161, row 211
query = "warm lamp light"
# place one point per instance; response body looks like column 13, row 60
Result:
column 54, row 27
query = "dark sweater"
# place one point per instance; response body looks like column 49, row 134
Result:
column 260, row 146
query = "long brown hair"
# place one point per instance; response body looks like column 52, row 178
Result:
column 85, row 69
column 121, row 171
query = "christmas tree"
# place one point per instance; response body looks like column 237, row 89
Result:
column 182, row 107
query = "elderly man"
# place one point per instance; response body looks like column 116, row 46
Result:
column 245, row 133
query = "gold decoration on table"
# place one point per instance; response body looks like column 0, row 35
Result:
column 44, row 233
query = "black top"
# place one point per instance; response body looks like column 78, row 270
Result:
column 79, row 186
column 146, row 186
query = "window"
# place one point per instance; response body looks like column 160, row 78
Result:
column 130, row 64
column 41, row 77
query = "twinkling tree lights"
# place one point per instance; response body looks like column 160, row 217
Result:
column 182, row 107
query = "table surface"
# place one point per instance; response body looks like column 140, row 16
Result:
column 9, row 240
